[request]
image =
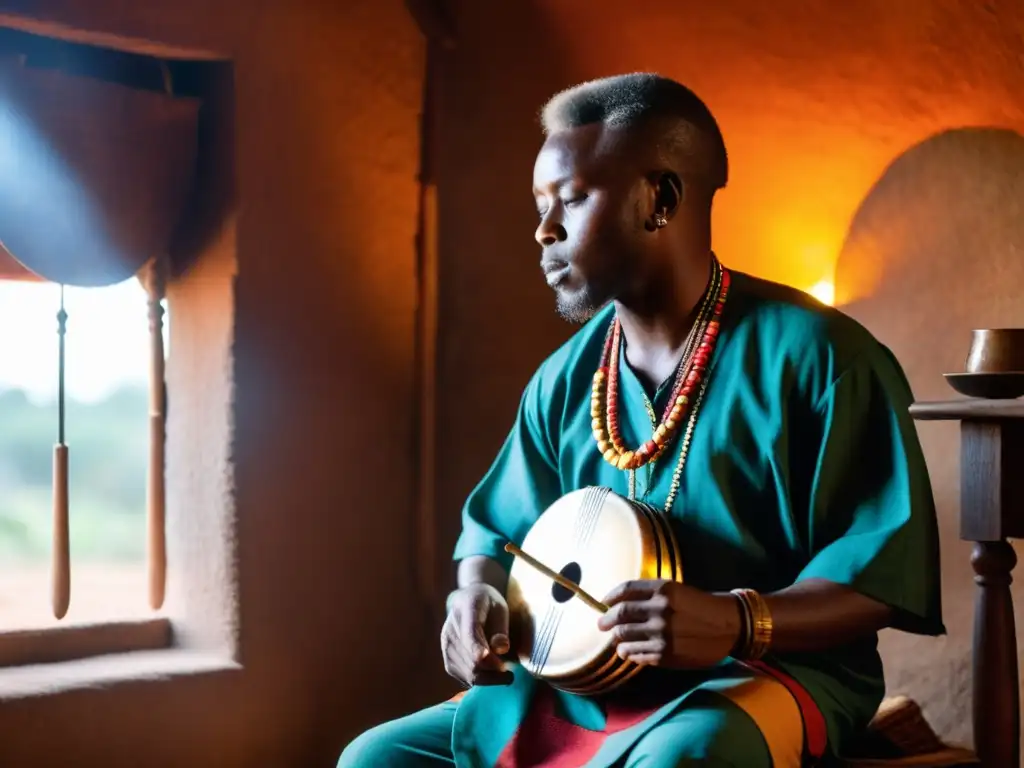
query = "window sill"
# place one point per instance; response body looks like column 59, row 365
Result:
column 105, row 671
column 52, row 661
column 79, row 641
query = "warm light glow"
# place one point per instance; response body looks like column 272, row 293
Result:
column 824, row 291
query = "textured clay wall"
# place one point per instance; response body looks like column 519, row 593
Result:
column 315, row 286
column 934, row 251
column 815, row 100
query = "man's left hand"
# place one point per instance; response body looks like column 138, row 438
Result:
column 668, row 624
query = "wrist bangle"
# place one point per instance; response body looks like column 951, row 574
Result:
column 742, row 646
column 759, row 623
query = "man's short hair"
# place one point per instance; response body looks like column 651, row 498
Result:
column 692, row 139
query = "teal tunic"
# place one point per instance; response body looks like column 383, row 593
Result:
column 804, row 464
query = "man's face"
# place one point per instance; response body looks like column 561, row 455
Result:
column 591, row 228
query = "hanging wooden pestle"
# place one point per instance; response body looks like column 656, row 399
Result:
column 61, row 528
column 154, row 279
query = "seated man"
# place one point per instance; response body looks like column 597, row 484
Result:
column 772, row 432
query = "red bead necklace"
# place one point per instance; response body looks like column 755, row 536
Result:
column 604, row 404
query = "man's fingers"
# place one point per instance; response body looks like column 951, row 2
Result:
column 640, row 589
column 474, row 639
column 477, row 653
column 471, row 633
column 630, row 612
column 627, row 633
column 649, row 651
column 458, row 663
column 496, row 628
column 646, row 659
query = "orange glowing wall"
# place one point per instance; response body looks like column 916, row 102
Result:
column 814, row 99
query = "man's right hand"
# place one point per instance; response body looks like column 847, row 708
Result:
column 475, row 636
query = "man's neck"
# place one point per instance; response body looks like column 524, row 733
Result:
column 656, row 326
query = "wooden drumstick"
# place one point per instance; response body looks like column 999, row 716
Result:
column 558, row 578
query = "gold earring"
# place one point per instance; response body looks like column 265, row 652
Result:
column 660, row 220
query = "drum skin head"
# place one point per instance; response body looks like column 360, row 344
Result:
column 597, row 539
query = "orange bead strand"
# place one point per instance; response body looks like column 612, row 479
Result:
column 604, row 400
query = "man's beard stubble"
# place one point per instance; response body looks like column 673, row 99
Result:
column 601, row 286
column 579, row 307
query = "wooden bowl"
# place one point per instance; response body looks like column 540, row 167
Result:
column 1007, row 385
column 996, row 350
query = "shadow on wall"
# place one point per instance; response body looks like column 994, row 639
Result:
column 934, row 250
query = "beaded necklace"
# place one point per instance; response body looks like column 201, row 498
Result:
column 688, row 390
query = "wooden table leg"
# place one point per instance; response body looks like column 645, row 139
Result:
column 996, row 693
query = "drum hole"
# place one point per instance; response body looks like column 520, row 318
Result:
column 572, row 572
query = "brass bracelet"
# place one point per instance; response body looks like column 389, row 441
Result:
column 742, row 646
column 751, row 643
column 760, row 624
column 762, row 634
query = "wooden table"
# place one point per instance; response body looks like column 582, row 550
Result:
column 991, row 511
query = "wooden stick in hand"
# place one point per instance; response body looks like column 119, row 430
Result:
column 558, row 578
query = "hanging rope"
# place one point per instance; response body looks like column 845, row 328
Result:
column 62, row 328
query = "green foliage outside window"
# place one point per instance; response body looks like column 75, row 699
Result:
column 109, row 448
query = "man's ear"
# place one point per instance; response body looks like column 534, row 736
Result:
column 670, row 194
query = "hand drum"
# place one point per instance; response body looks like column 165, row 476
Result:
column 597, row 540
